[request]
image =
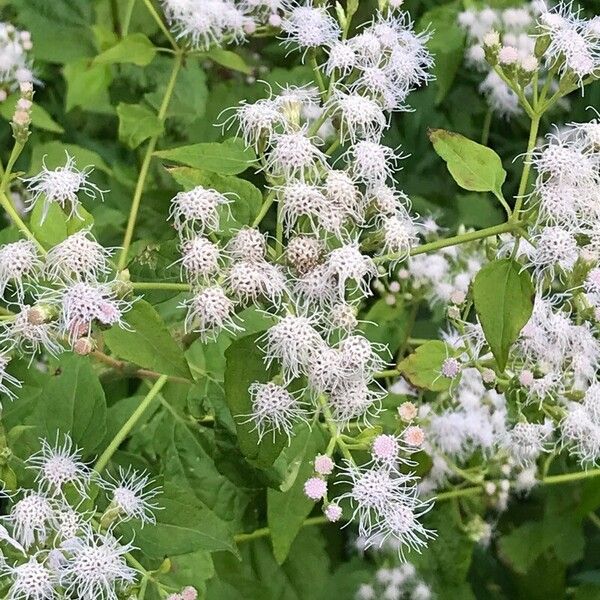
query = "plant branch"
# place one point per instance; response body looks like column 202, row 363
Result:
column 240, row 538
column 453, row 241
column 139, row 188
column 129, row 424
column 161, row 24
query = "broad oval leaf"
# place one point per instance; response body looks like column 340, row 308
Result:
column 147, row 342
column 423, row 367
column 503, row 296
column 228, row 158
column 245, row 365
column 137, row 123
column 135, row 48
column 474, row 167
column 74, row 403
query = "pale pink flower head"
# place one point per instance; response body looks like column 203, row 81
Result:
column 333, row 512
column 324, row 465
column 315, row 488
column 385, row 448
column 414, row 436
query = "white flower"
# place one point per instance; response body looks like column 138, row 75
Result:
column 31, row 580
column 325, row 370
column 79, row 257
column 294, row 155
column 274, row 409
column 500, row 97
column 202, row 23
column 29, row 337
column 197, row 211
column 360, row 117
column 573, row 44
column 259, row 120
column 58, row 466
column 399, row 236
column 95, row 566
column 6, row 378
column 299, row 199
column 354, row 399
column 247, row 244
column 371, row 162
column 310, row 27
column 317, row 287
column 343, row 194
column 292, row 341
column 83, row 303
column 347, row 263
column 526, row 441
column 341, row 59
column 555, row 249
column 61, row 186
column 14, row 62
column 132, row 497
column 249, row 281
column 200, row 259
column 30, row 519
column 359, row 356
column 18, row 260
column 303, row 253
column 210, row 311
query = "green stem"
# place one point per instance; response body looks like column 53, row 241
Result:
column 264, row 209
column 151, row 285
column 139, row 188
column 389, row 373
column 317, row 73
column 469, row 491
column 240, row 538
column 127, row 17
column 533, row 132
column 16, row 219
column 453, row 241
column 487, row 123
column 567, row 477
column 129, row 424
column 161, row 24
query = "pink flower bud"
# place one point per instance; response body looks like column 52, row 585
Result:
column 414, row 436
column 324, row 465
column 407, row 411
column 526, row 378
column 315, row 488
column 189, row 593
column 333, row 512
column 274, row 20
column 83, row 346
column 450, row 368
column 385, row 447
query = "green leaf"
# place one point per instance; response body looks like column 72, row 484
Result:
column 137, row 123
column 229, row 60
column 74, row 403
column 447, row 44
column 183, row 525
column 51, row 230
column 135, row 48
column 147, row 342
column 287, row 510
column 503, row 296
column 87, row 86
column 245, row 365
column 247, row 202
column 54, row 154
column 474, row 167
column 423, row 367
column 228, row 158
column 39, row 116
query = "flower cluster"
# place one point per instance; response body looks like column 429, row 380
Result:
column 395, row 583
column 53, row 545
column 15, row 67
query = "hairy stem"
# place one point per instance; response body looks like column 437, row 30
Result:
column 139, row 188
column 161, row 24
column 533, row 132
column 155, row 285
column 130, row 424
column 452, row 241
column 240, row 538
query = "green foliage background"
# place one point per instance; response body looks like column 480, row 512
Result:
column 99, row 100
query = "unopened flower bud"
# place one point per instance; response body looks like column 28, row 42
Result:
column 324, row 465
column 488, row 376
column 315, row 488
column 83, row 346
column 508, row 55
column 333, row 512
column 453, row 312
column 414, row 436
column 274, row 20
column 407, row 411
column 24, row 104
column 490, row 488
column 457, row 297
column 526, row 378
column 491, row 39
